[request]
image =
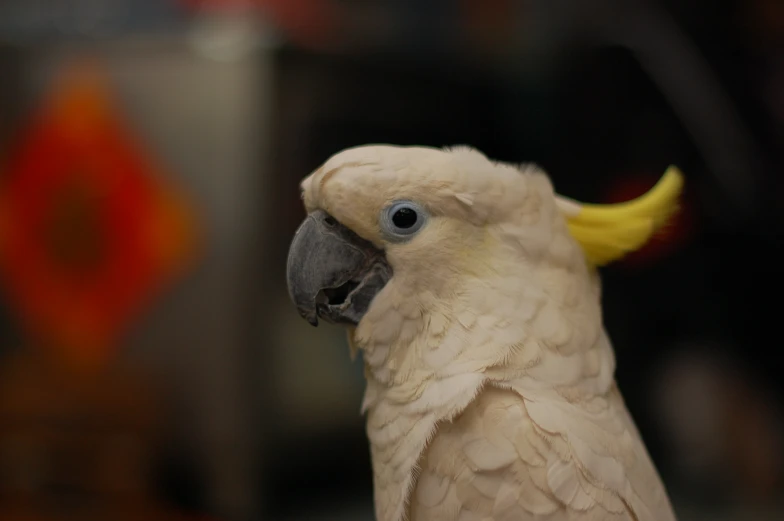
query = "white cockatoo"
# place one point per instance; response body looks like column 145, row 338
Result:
column 471, row 289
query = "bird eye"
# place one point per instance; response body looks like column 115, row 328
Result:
column 402, row 220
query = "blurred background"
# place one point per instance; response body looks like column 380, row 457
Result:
column 151, row 365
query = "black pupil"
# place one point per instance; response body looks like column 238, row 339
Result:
column 405, row 218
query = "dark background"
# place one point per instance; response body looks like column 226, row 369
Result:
column 240, row 102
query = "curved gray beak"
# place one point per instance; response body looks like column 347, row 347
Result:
column 333, row 273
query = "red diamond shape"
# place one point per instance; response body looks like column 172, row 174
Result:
column 88, row 230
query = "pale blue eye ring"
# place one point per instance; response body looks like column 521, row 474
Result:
column 402, row 220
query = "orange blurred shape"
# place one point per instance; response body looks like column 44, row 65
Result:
column 88, row 229
column 677, row 232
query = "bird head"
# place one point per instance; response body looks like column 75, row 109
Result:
column 390, row 225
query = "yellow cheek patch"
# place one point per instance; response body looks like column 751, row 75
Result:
column 607, row 232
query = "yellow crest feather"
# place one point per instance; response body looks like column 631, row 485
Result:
column 607, row 232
